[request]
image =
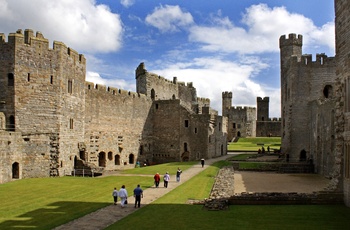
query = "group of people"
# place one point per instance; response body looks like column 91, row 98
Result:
column 123, row 195
column 166, row 178
column 138, row 192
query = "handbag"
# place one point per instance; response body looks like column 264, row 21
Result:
column 126, row 202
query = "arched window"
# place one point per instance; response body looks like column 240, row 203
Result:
column 10, row 79
column 11, row 123
column 153, row 94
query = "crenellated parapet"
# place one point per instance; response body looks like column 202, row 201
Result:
column 226, row 94
column 103, row 90
column 291, row 40
column 306, row 60
column 38, row 40
column 265, row 99
column 203, row 100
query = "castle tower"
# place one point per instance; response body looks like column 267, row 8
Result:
column 342, row 33
column 226, row 103
column 263, row 108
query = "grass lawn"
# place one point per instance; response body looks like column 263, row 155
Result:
column 44, row 203
column 161, row 168
column 255, row 143
column 172, row 212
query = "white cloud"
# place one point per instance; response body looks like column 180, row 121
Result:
column 264, row 26
column 127, row 3
column 169, row 18
column 117, row 83
column 212, row 76
column 80, row 24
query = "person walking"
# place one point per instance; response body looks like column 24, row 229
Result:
column 166, row 179
column 202, row 162
column 138, row 193
column 178, row 174
column 123, row 194
column 156, row 179
column 115, row 196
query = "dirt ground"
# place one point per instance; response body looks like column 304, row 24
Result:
column 277, row 182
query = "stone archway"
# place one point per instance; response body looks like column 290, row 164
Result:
column 102, row 159
column 131, row 159
column 117, row 159
column 15, row 170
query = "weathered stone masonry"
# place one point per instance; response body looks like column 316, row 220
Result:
column 53, row 121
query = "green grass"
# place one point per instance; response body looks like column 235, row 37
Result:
column 255, row 143
column 43, row 203
column 241, row 157
column 161, row 168
column 171, row 212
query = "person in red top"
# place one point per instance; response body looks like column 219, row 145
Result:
column 157, row 179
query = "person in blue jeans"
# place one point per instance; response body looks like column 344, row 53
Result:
column 138, row 193
column 178, row 174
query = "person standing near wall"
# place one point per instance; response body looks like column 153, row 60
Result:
column 123, row 194
column 166, row 179
column 202, row 162
column 178, row 174
column 115, row 196
column 138, row 193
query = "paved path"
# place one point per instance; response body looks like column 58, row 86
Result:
column 104, row 217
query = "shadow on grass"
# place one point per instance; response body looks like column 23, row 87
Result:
column 54, row 215
column 184, row 216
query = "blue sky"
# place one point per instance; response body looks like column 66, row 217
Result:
column 223, row 45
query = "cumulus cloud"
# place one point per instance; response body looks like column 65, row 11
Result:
column 169, row 18
column 213, row 75
column 81, row 24
column 263, row 27
column 127, row 3
column 96, row 78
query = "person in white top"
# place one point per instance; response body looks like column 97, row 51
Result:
column 123, row 194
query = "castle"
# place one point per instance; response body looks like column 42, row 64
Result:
column 249, row 121
column 53, row 121
column 315, row 104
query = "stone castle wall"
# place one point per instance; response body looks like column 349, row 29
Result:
column 62, row 122
column 342, row 108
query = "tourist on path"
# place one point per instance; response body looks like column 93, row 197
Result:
column 156, row 179
column 138, row 193
column 202, row 162
column 166, row 179
column 178, row 174
column 115, row 195
column 123, row 194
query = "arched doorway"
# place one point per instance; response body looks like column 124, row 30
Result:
column 131, row 159
column 117, row 159
column 302, row 155
column 102, row 159
column 238, row 134
column 15, row 170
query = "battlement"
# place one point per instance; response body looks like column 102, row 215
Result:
column 291, row 40
column 226, row 94
column 203, row 100
column 38, row 40
column 306, row 60
column 266, row 99
column 240, row 108
column 275, row 119
column 90, row 86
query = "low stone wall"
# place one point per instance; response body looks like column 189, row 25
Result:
column 222, row 195
column 287, row 198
